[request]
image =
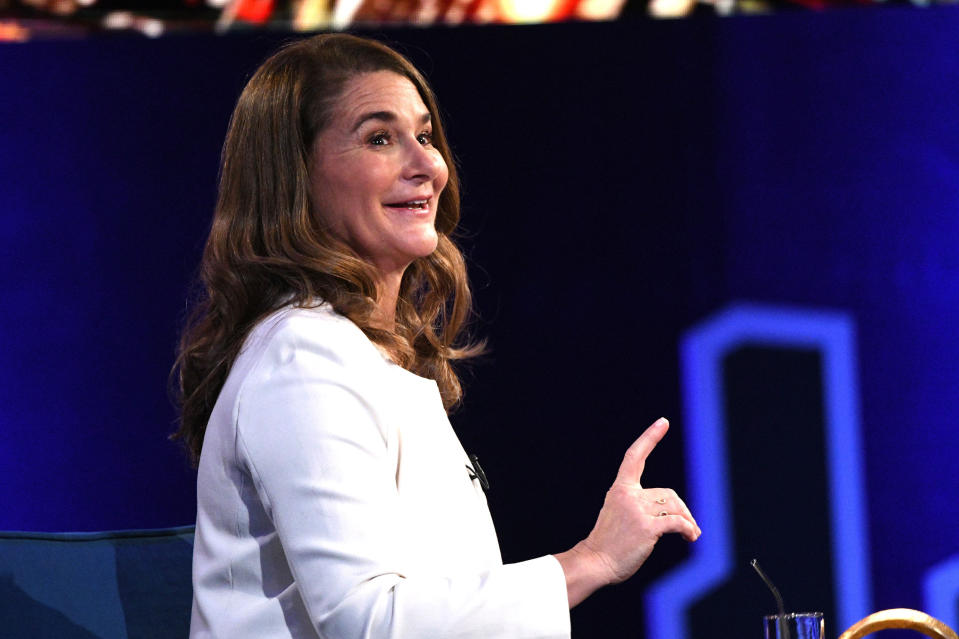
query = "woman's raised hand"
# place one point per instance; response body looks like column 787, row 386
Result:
column 630, row 523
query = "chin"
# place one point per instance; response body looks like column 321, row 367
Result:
column 425, row 246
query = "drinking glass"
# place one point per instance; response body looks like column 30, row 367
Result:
column 797, row 625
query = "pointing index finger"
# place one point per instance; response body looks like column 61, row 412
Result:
column 634, row 462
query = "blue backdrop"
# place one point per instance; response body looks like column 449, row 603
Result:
column 625, row 185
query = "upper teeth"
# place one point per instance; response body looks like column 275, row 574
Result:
column 412, row 204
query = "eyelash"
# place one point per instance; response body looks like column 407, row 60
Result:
column 381, row 138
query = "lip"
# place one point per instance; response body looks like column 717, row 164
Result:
column 425, row 209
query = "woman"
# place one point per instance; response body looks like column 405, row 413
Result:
column 334, row 499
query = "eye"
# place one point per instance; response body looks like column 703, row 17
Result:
column 380, row 138
column 425, row 138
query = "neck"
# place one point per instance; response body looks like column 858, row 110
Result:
column 387, row 293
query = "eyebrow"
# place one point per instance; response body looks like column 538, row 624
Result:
column 385, row 116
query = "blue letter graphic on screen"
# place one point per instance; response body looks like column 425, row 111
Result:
column 941, row 591
column 702, row 351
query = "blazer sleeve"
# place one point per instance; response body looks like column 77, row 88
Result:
column 317, row 453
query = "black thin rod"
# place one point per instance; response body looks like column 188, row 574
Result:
column 781, row 617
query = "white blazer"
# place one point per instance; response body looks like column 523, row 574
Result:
column 334, row 501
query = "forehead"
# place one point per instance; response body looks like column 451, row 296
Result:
column 378, row 91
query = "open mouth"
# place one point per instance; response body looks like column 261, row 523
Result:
column 410, row 204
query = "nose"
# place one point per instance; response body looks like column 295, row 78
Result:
column 423, row 163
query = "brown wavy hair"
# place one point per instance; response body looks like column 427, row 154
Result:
column 268, row 248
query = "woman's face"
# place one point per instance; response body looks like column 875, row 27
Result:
column 376, row 177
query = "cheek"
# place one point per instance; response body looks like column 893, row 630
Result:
column 324, row 199
column 333, row 205
column 442, row 173
column 345, row 187
column 366, row 183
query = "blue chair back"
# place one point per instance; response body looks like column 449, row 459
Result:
column 132, row 584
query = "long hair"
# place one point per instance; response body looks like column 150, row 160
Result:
column 268, row 248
